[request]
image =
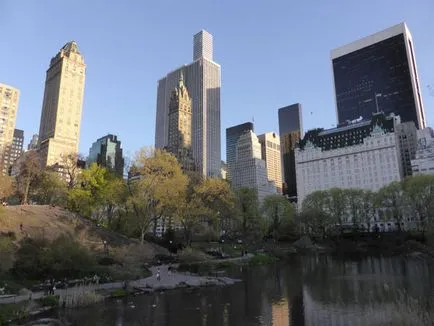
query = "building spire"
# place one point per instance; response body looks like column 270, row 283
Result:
column 181, row 80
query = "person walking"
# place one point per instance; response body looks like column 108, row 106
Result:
column 158, row 274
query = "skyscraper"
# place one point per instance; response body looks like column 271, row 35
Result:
column 180, row 126
column 16, row 149
column 33, row 144
column 107, row 152
column 270, row 148
column 59, row 131
column 290, row 130
column 378, row 73
column 232, row 136
column 202, row 79
column 249, row 170
column 9, row 98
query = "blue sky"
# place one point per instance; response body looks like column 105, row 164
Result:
column 272, row 53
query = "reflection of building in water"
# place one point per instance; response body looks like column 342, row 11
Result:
column 317, row 313
column 280, row 312
column 358, row 292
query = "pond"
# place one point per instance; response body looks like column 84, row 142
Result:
column 304, row 291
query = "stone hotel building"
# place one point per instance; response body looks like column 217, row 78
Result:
column 361, row 154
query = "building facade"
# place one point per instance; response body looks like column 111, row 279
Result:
column 33, row 144
column 232, row 135
column 202, row 79
column 290, row 130
column 270, row 150
column 406, row 134
column 180, row 121
column 16, row 149
column 378, row 73
column 9, row 98
column 107, row 152
column 59, row 130
column 363, row 155
column 250, row 169
column 423, row 163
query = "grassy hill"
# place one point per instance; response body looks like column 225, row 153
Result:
column 51, row 222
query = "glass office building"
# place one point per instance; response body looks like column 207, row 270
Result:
column 378, row 74
column 107, row 152
column 290, row 130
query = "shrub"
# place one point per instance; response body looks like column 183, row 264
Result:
column 262, row 259
column 49, row 301
column 37, row 259
column 10, row 312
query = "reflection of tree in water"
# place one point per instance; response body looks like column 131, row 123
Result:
column 366, row 281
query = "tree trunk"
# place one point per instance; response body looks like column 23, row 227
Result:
column 26, row 191
column 142, row 236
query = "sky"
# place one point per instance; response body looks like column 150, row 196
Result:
column 272, row 53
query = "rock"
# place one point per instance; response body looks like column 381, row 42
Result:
column 303, row 243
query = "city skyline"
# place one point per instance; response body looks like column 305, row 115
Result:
column 245, row 95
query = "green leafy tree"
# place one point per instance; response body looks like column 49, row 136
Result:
column 156, row 188
column 419, row 190
column 219, row 199
column 315, row 215
column 393, row 198
column 89, row 195
column 354, row 199
column 278, row 212
column 368, row 208
column 336, row 206
column 248, row 211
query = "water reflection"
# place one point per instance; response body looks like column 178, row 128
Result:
column 308, row 291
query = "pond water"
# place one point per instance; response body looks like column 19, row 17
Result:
column 305, row 291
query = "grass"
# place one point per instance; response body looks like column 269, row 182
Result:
column 262, row 259
column 49, row 301
column 81, row 297
column 119, row 293
column 9, row 312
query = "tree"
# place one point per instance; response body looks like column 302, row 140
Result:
column 156, row 187
column 248, row 210
column 49, row 188
column 90, row 195
column 419, row 190
column 115, row 196
column 315, row 215
column 393, row 199
column 218, row 197
column 29, row 169
column 354, row 199
column 278, row 211
column 336, row 206
column 6, row 187
column 69, row 166
column 368, row 208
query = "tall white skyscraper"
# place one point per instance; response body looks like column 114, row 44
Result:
column 250, row 170
column 202, row 79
